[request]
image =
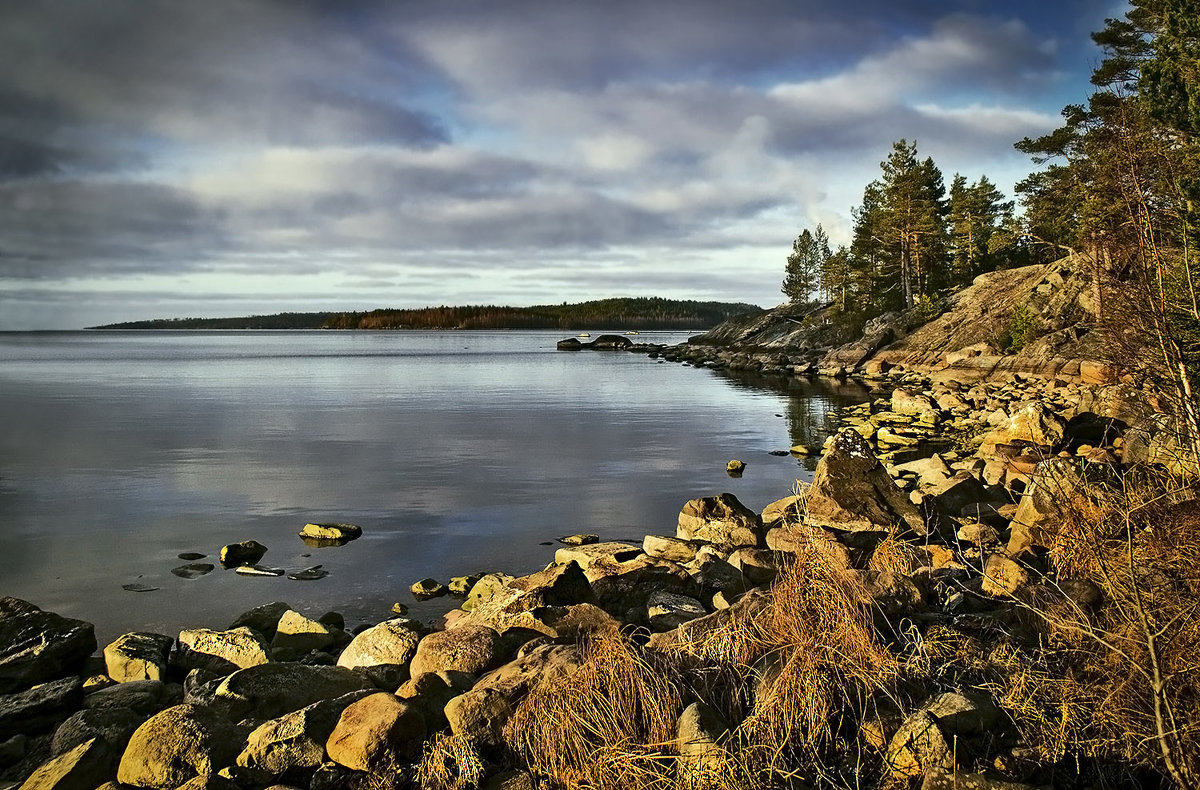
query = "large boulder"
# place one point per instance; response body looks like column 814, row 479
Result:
column 465, row 648
column 263, row 619
column 701, row 736
column 720, row 519
column 177, row 745
column 142, row 696
column 558, row 585
column 300, row 634
column 587, row 555
column 85, row 767
column 384, row 651
column 378, row 732
column 1032, row 423
column 1060, row 489
column 113, row 726
column 619, row 587
column 221, row 651
column 269, row 691
column 929, row 739
column 295, row 741
column 138, row 656
column 39, row 708
column 852, row 492
column 36, row 646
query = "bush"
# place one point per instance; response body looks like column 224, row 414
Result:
column 1023, row 327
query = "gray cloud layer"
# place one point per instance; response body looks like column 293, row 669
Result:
column 478, row 151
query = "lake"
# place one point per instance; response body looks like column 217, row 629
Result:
column 454, row 451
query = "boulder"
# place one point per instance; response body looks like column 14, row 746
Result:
column 177, row 745
column 581, row 539
column 1034, row 423
column 806, row 540
column 905, row 401
column 113, row 726
column 84, row 767
column 221, row 651
column 610, row 342
column 587, row 555
column 929, row 739
column 264, row 619
column 570, row 344
column 295, row 632
column 564, row 622
column 461, row 585
column 667, row 548
column 558, row 585
column 1002, row 577
column 432, row 691
column 722, row 520
column 668, row 610
column 428, row 588
column 269, row 691
column 39, row 708
column 384, row 651
column 142, row 696
column 331, row 532
column 1058, row 490
column 936, row 779
column 735, row 468
column 483, row 591
column 619, row 587
column 246, row 552
column 759, row 566
column 784, row 512
column 852, row 492
column 378, row 732
column 700, row 737
column 690, row 636
column 295, row 741
column 36, row 646
column 480, row 715
column 465, row 648
column 138, row 656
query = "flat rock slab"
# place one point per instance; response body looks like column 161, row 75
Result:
column 36, row 646
column 194, row 570
column 587, row 555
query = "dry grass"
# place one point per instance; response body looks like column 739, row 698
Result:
column 896, row 555
column 450, row 762
column 610, row 724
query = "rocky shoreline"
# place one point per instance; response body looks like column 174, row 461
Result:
column 933, row 506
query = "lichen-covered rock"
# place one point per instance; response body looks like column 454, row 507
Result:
column 138, row 656
column 720, row 519
column 852, row 492
column 177, row 745
column 377, row 732
column 36, row 646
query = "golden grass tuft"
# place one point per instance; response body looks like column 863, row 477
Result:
column 896, row 555
column 450, row 762
column 609, row 724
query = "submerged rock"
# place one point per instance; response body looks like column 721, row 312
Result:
column 308, row 574
column 194, row 570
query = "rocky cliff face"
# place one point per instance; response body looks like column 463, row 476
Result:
column 1034, row 319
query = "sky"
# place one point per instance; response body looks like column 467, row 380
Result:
column 236, row 157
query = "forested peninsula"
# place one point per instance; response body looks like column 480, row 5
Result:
column 629, row 313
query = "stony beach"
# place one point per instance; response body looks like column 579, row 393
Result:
column 933, row 506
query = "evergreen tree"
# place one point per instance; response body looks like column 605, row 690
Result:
column 977, row 213
column 802, row 277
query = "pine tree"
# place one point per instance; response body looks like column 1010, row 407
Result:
column 976, row 214
column 802, row 277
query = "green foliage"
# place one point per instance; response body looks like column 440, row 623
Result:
column 802, row 276
column 927, row 308
column 1023, row 327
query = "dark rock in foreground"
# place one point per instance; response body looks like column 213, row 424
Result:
column 37, row 646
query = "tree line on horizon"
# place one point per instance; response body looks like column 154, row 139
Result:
column 647, row 313
column 621, row 313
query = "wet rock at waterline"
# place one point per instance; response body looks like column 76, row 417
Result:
column 330, row 534
column 246, row 552
column 735, row 468
column 191, row 556
column 139, row 587
column 257, row 570
column 194, row 570
column 579, row 540
column 308, row 574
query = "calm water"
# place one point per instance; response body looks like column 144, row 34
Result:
column 455, row 451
